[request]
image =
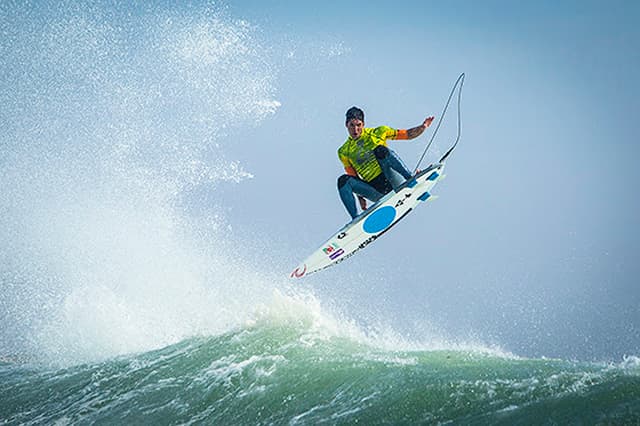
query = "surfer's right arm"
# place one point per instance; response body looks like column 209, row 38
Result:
column 414, row 132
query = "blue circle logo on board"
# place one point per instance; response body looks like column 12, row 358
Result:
column 379, row 220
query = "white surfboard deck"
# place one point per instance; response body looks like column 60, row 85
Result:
column 372, row 223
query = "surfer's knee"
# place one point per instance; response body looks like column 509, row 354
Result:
column 342, row 180
column 381, row 152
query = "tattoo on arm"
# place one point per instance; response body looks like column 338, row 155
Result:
column 414, row 132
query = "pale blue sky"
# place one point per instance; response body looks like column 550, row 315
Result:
column 534, row 239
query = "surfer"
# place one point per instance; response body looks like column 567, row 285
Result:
column 368, row 162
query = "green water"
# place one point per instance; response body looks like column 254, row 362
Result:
column 268, row 374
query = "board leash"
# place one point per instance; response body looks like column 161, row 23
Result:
column 458, row 84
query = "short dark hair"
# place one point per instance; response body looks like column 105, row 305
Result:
column 355, row 112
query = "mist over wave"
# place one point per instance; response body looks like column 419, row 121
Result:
column 114, row 115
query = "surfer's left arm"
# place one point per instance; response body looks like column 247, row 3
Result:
column 414, row 132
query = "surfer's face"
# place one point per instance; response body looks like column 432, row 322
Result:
column 355, row 126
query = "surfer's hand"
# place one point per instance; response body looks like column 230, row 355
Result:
column 363, row 203
column 427, row 122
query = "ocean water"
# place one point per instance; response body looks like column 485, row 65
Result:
column 295, row 365
column 128, row 298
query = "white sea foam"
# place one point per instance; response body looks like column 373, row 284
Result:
column 320, row 323
column 124, row 115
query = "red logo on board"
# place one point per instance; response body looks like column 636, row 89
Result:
column 297, row 273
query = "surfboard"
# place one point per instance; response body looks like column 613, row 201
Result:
column 372, row 223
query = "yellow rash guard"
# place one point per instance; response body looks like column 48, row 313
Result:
column 358, row 153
